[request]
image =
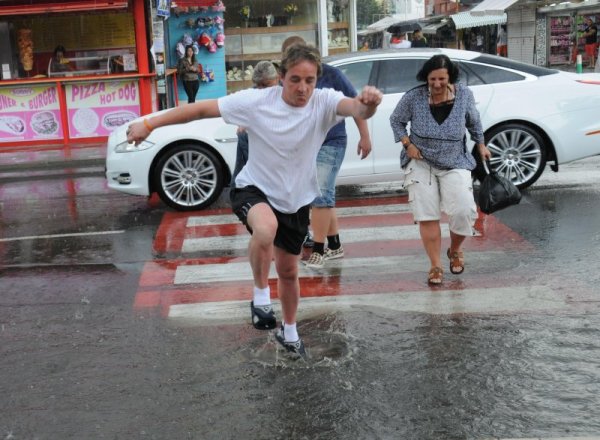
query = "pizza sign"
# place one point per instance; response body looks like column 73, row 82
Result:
column 97, row 108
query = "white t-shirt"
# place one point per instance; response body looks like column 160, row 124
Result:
column 404, row 44
column 283, row 142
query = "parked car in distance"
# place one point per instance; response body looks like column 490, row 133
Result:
column 531, row 116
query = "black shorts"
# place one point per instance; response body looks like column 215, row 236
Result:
column 291, row 228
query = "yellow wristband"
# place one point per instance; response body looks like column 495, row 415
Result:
column 147, row 125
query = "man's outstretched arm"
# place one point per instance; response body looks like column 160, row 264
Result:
column 362, row 106
column 138, row 131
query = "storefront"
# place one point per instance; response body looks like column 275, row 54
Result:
column 481, row 25
column 477, row 32
column 328, row 24
column 251, row 32
column 102, row 82
column 440, row 32
column 560, row 32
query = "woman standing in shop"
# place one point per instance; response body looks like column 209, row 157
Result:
column 188, row 70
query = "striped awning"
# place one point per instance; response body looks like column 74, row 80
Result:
column 466, row 20
column 433, row 27
column 492, row 7
column 384, row 23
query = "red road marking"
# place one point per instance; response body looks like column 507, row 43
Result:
column 360, row 284
column 157, row 288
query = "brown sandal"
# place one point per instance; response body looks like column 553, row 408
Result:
column 436, row 276
column 457, row 260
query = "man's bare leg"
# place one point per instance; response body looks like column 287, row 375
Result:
column 263, row 223
column 288, row 284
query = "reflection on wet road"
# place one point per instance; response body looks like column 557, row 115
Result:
column 146, row 334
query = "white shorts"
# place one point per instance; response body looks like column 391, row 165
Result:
column 431, row 191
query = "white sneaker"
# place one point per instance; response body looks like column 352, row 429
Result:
column 333, row 254
column 315, row 261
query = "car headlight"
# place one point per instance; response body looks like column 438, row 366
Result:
column 126, row 147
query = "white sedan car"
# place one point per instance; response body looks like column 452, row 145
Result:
column 531, row 116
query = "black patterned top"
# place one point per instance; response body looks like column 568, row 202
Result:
column 442, row 145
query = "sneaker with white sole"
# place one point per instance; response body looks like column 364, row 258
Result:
column 333, row 254
column 315, row 261
column 263, row 317
column 296, row 348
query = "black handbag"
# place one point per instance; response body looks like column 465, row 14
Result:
column 496, row 192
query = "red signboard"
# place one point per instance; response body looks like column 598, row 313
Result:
column 188, row 3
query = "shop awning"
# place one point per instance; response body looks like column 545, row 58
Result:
column 491, row 7
column 363, row 32
column 433, row 27
column 466, row 20
column 30, row 7
column 384, row 23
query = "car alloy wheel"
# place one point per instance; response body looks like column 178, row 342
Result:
column 188, row 177
column 518, row 153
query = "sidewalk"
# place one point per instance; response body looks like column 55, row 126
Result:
column 38, row 162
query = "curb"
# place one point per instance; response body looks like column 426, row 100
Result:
column 52, row 165
column 51, row 162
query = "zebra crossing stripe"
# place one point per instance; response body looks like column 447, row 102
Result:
column 383, row 254
column 241, row 271
column 513, row 299
column 213, row 220
column 356, row 235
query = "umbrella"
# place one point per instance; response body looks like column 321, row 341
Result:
column 404, row 27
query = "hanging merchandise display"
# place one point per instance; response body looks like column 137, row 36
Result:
column 200, row 25
column 206, row 32
column 220, row 39
column 561, row 40
column 218, row 6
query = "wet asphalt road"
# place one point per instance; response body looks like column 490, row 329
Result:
column 79, row 362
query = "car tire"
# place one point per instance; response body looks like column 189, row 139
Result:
column 188, row 177
column 518, row 153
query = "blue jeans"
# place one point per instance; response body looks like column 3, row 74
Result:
column 241, row 156
column 329, row 161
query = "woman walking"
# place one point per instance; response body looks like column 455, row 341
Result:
column 188, row 69
column 436, row 161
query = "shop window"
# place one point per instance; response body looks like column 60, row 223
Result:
column 337, row 10
column 270, row 13
column 255, row 31
column 338, row 17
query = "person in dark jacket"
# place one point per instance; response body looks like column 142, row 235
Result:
column 419, row 39
column 590, row 34
column 188, row 70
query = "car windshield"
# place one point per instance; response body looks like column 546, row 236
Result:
column 516, row 65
